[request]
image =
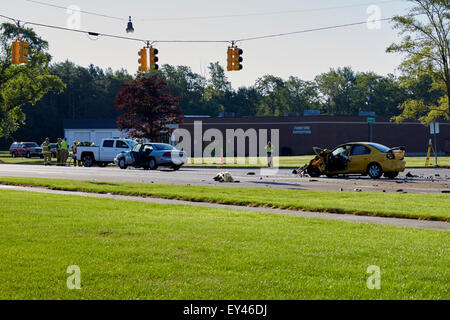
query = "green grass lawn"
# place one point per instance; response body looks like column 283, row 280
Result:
column 418, row 206
column 132, row 250
column 283, row 162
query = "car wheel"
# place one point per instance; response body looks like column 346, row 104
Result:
column 391, row 175
column 122, row 164
column 313, row 172
column 374, row 170
column 28, row 155
column 88, row 160
column 152, row 164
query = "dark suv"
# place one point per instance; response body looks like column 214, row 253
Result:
column 25, row 149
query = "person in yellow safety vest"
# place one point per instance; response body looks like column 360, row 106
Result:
column 58, row 152
column 47, row 152
column 64, row 151
column 269, row 154
column 74, row 154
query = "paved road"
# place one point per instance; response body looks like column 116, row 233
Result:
column 426, row 180
column 440, row 225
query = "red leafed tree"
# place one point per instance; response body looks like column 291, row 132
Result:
column 147, row 107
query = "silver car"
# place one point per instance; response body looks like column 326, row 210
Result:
column 151, row 156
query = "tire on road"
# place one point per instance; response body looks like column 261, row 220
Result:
column 88, row 160
column 374, row 170
column 152, row 164
column 313, row 172
column 122, row 163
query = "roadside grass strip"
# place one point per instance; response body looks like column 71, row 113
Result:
column 413, row 206
column 131, row 250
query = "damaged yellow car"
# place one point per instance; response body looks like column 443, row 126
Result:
column 363, row 158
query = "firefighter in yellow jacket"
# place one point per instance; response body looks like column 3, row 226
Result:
column 47, row 152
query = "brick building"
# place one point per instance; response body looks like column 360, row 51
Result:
column 299, row 134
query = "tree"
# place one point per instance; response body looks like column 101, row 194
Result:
column 426, row 49
column 22, row 84
column 336, row 87
column 147, row 107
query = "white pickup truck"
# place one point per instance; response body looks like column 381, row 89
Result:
column 104, row 154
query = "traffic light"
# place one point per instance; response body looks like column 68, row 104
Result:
column 234, row 58
column 23, row 51
column 153, row 59
column 230, row 58
column 143, row 65
column 15, row 48
column 237, row 59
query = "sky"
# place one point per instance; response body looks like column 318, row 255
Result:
column 304, row 55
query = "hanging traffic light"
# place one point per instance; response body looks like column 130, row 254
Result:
column 230, row 55
column 237, row 59
column 153, row 59
column 15, row 48
column 23, row 51
column 143, row 65
column 234, row 58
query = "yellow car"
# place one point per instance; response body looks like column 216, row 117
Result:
column 365, row 158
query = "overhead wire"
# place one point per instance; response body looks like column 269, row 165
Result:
column 198, row 41
column 218, row 16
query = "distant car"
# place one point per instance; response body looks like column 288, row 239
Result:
column 151, row 156
column 25, row 149
column 365, row 158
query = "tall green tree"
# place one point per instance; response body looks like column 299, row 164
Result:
column 425, row 44
column 22, row 84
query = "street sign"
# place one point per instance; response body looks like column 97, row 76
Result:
column 434, row 128
column 370, row 120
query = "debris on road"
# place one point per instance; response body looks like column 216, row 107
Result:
column 224, row 177
column 250, row 173
column 409, row 175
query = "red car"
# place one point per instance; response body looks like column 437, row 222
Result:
column 25, row 149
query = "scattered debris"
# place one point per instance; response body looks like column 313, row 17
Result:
column 341, row 189
column 437, row 175
column 384, row 190
column 224, row 177
column 250, row 173
column 313, row 180
column 409, row 175
column 445, row 191
column 357, row 190
column 399, row 190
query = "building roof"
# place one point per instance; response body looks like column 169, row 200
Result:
column 89, row 124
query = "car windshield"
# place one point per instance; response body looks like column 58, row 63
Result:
column 131, row 143
column 163, row 146
column 30, row 145
column 379, row 147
